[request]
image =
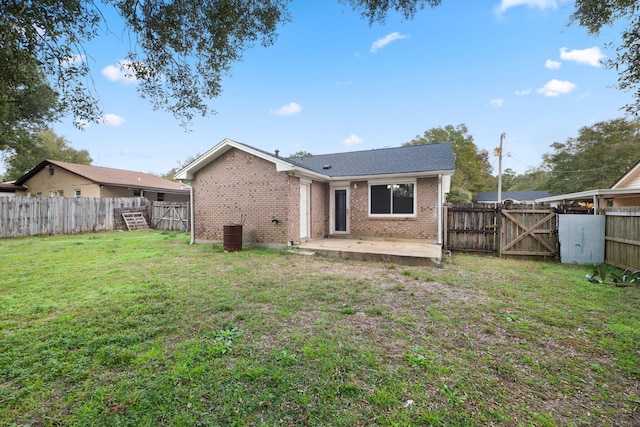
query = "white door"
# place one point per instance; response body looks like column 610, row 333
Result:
column 304, row 211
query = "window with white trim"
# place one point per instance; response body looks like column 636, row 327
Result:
column 392, row 199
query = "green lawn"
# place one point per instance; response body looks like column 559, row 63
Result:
column 141, row 329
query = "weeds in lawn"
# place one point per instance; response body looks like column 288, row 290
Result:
column 149, row 330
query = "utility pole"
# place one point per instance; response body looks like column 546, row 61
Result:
column 502, row 135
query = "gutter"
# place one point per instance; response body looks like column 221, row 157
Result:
column 191, row 213
column 440, row 209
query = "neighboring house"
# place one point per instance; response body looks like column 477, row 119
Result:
column 52, row 178
column 625, row 192
column 629, row 181
column 385, row 193
column 10, row 189
column 528, row 197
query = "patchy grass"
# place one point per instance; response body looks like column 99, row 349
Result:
column 142, row 329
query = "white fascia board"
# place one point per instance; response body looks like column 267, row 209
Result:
column 608, row 192
column 629, row 176
column 225, row 145
column 213, row 153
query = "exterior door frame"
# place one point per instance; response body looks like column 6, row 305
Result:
column 332, row 209
column 305, row 209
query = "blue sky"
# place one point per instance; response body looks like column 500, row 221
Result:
column 332, row 83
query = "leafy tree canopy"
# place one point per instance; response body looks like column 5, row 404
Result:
column 473, row 170
column 27, row 103
column 532, row 180
column 180, row 50
column 47, row 145
column 300, row 154
column 596, row 158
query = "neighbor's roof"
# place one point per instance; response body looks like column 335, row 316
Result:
column 110, row 176
column 416, row 160
column 10, row 187
column 528, row 196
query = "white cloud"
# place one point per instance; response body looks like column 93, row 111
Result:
column 591, row 56
column 498, row 102
column 540, row 4
column 119, row 72
column 556, row 88
column 552, row 65
column 288, row 110
column 112, row 120
column 523, row 92
column 389, row 38
column 352, row 140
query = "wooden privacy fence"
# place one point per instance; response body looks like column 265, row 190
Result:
column 30, row 216
column 505, row 230
column 622, row 237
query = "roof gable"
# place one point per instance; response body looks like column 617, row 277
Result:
column 109, row 176
column 631, row 179
column 415, row 160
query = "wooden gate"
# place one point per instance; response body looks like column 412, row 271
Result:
column 529, row 233
column 504, row 230
column 471, row 228
column 170, row 216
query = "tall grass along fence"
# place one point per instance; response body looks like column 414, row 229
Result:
column 622, row 237
column 30, row 216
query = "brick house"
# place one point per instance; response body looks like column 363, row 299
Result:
column 385, row 193
column 52, row 178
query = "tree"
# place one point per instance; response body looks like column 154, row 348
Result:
column 47, row 145
column 181, row 164
column 508, row 178
column 532, row 180
column 473, row 170
column 300, row 154
column 27, row 105
column 596, row 14
column 600, row 155
column 180, row 50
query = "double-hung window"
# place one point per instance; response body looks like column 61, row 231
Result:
column 392, row 199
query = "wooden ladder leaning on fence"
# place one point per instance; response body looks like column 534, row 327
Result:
column 135, row 221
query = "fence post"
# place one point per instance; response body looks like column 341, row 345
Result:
column 498, row 243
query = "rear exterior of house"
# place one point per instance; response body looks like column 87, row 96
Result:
column 286, row 201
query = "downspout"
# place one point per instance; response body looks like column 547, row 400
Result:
column 439, row 240
column 191, row 213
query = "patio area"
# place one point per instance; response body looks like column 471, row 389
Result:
column 396, row 251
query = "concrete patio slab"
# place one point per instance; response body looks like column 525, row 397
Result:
column 396, row 251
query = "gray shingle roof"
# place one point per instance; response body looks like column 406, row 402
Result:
column 397, row 160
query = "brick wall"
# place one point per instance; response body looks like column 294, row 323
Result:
column 319, row 210
column 423, row 226
column 238, row 183
column 626, row 201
